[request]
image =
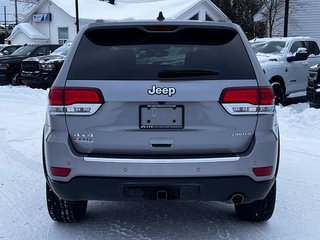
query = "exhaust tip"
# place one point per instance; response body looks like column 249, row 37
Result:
column 237, row 198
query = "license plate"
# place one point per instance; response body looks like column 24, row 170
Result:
column 162, row 117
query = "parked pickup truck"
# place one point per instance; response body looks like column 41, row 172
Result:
column 286, row 61
column 10, row 65
column 41, row 71
column 313, row 89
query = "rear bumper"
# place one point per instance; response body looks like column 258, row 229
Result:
column 313, row 95
column 141, row 189
column 4, row 80
column 38, row 80
column 214, row 178
column 58, row 152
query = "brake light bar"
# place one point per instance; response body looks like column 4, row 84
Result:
column 74, row 101
column 161, row 28
column 248, row 100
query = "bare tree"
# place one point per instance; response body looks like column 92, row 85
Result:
column 27, row 1
column 25, row 6
column 271, row 11
column 241, row 12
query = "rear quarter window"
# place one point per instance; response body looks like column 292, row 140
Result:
column 135, row 54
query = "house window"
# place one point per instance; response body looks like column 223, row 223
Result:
column 63, row 35
column 208, row 18
column 195, row 17
column 295, row 46
column 312, row 48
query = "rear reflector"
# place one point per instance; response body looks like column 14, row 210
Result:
column 262, row 171
column 74, row 101
column 60, row 172
column 248, row 100
column 161, row 28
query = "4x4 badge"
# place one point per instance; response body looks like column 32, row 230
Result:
column 170, row 91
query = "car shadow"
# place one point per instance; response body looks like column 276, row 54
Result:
column 295, row 100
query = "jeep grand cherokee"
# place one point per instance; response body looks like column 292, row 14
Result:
column 147, row 111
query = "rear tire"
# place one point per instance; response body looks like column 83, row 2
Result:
column 260, row 210
column 16, row 79
column 278, row 93
column 63, row 210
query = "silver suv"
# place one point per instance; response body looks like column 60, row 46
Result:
column 146, row 111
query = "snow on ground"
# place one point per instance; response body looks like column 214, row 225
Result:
column 23, row 213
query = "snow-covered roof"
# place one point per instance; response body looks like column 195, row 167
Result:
column 284, row 39
column 124, row 9
column 29, row 30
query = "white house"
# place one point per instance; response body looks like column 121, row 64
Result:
column 304, row 19
column 53, row 21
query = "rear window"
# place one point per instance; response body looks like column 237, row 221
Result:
column 134, row 54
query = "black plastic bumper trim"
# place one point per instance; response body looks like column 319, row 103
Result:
column 199, row 189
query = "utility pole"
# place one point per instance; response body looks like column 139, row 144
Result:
column 77, row 16
column 286, row 19
column 5, row 21
column 16, row 10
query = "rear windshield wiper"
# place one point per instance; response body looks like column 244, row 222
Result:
column 172, row 73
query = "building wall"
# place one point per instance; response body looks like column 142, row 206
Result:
column 303, row 19
column 59, row 19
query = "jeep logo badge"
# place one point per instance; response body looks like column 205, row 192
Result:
column 170, row 91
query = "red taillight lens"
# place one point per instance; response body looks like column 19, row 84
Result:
column 56, row 96
column 72, row 96
column 266, row 96
column 161, row 28
column 255, row 96
column 60, row 172
column 262, row 171
column 68, row 96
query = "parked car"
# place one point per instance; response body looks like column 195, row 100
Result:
column 256, row 45
column 286, row 61
column 144, row 111
column 313, row 89
column 8, row 49
column 41, row 71
column 10, row 66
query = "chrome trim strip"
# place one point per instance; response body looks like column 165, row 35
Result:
column 91, row 108
column 258, row 108
column 160, row 161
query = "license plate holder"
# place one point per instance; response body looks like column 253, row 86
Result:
column 161, row 117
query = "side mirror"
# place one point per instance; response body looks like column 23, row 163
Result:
column 300, row 55
column 6, row 52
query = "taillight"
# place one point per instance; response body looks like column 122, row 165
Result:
column 248, row 100
column 74, row 101
column 161, row 28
